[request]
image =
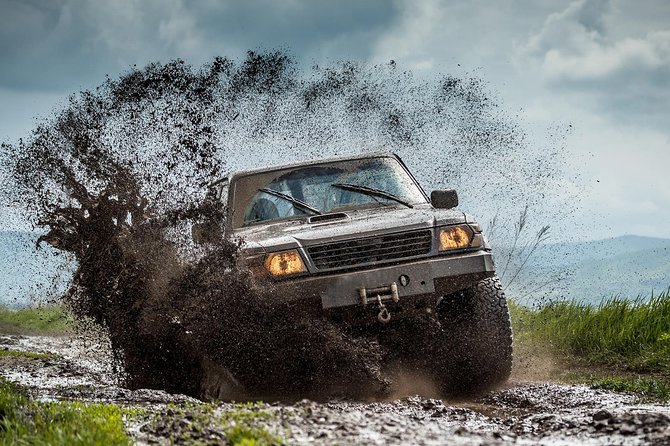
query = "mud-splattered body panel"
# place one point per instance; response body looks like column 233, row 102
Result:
column 379, row 251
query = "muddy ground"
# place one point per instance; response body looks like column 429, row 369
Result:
column 527, row 411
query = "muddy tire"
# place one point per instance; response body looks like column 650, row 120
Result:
column 476, row 350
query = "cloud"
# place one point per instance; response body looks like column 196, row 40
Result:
column 630, row 190
column 574, row 46
column 51, row 45
column 440, row 35
column 600, row 62
column 412, row 38
column 627, row 77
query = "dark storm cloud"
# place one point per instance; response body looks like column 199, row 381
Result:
column 304, row 25
column 51, row 44
column 45, row 45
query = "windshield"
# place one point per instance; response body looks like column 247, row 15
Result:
column 309, row 190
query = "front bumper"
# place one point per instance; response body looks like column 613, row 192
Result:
column 442, row 275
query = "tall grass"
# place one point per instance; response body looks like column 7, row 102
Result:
column 634, row 334
column 46, row 319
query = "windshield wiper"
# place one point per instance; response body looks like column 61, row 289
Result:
column 299, row 203
column 371, row 192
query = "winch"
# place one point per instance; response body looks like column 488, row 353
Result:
column 380, row 295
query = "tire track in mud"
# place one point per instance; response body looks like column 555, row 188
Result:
column 523, row 413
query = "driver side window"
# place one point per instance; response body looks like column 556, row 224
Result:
column 264, row 206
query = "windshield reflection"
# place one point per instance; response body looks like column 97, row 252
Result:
column 305, row 190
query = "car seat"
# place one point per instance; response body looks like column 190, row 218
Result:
column 262, row 209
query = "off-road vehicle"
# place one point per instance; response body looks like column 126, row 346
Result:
column 358, row 240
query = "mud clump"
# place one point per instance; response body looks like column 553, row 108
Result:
column 118, row 178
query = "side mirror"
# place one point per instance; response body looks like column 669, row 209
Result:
column 444, row 199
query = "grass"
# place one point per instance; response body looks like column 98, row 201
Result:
column 46, row 319
column 29, row 355
column 626, row 336
column 648, row 387
column 242, row 424
column 24, row 421
column 28, row 422
column 619, row 332
column 240, row 435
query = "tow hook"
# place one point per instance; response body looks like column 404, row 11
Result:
column 384, row 315
column 383, row 293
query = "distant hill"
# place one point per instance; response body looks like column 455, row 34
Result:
column 627, row 266
column 27, row 274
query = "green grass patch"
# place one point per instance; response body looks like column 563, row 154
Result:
column 240, row 425
column 629, row 334
column 47, row 319
column 241, row 428
column 245, row 412
column 28, row 422
column 242, row 435
column 29, row 355
column 649, row 388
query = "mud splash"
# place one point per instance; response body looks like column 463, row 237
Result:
column 118, row 178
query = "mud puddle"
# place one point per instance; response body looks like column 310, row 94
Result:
column 73, row 368
column 524, row 413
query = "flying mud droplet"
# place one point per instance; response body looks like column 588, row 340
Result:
column 118, row 177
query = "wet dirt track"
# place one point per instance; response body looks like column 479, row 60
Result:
column 523, row 413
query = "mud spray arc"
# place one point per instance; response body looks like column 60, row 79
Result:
column 117, row 177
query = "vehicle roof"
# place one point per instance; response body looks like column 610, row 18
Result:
column 378, row 154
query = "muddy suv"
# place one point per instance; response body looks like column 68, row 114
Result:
column 357, row 240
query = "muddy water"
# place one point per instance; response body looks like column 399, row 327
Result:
column 523, row 413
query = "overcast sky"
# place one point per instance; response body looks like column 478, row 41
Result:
column 601, row 66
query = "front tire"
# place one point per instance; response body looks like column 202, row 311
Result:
column 476, row 351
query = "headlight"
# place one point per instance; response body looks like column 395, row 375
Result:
column 285, row 263
column 455, row 237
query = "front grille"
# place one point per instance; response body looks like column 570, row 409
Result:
column 365, row 251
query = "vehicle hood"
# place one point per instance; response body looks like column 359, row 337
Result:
column 358, row 223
